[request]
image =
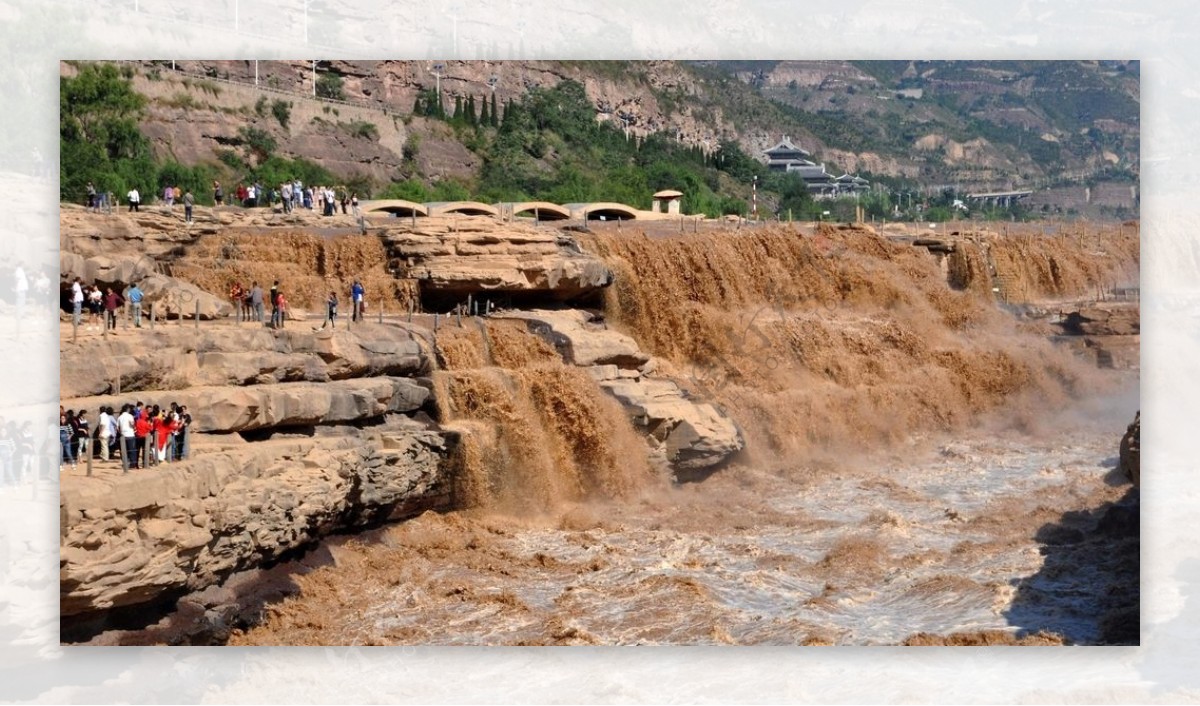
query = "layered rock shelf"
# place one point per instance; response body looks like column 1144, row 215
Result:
column 310, row 430
column 140, row 537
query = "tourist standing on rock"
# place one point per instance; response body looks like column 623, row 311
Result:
column 135, row 297
column 95, row 304
column 247, row 304
column 275, row 304
column 92, row 203
column 165, row 430
column 285, row 195
column 256, row 301
column 182, row 448
column 104, row 432
column 169, row 196
column 356, row 301
column 281, row 307
column 354, row 203
column 331, row 310
column 237, row 297
column 112, row 303
column 127, row 427
column 135, row 199
column 82, row 434
column 188, row 202
column 344, row 198
column 308, row 198
column 76, row 301
column 141, row 431
column 218, row 194
column 64, row 441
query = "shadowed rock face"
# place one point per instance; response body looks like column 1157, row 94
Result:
column 1131, row 452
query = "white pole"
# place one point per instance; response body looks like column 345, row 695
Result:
column 256, row 73
column 314, row 62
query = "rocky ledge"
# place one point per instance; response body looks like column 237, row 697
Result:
column 453, row 257
column 153, row 534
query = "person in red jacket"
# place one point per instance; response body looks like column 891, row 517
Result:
column 281, row 305
column 141, row 432
column 165, row 425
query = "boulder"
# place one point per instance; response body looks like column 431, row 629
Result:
column 581, row 338
column 455, row 257
column 695, row 436
column 1130, row 451
column 1103, row 321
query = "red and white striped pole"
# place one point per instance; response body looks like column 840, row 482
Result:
column 754, row 198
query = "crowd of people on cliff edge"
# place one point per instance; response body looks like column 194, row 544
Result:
column 139, row 436
column 290, row 196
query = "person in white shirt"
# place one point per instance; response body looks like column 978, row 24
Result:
column 103, row 426
column 128, row 439
column 134, row 199
column 95, row 301
column 76, row 300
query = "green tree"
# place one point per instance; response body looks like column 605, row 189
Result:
column 99, row 135
column 329, row 85
column 282, row 110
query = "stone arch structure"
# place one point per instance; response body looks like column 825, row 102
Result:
column 542, row 210
column 395, row 207
column 610, row 210
column 466, row 208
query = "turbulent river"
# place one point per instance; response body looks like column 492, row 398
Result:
column 921, row 466
column 990, row 531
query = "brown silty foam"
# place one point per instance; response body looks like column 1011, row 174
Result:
column 840, row 337
column 832, row 341
column 536, row 432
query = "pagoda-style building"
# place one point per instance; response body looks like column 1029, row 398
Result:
column 787, row 157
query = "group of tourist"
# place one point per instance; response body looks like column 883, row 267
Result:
column 102, row 306
column 249, row 301
column 101, row 201
column 19, row 283
column 140, row 435
column 18, row 449
column 295, row 195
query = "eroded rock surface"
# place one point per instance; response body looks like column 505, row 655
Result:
column 130, row 539
column 456, row 256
